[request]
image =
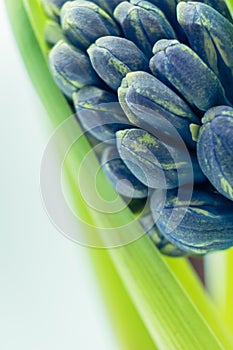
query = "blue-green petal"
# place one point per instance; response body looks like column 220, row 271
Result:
column 215, row 149
column 187, row 73
column 150, row 104
column 143, row 23
column 119, row 175
column 71, row 68
column 205, row 222
column 99, row 112
column 114, row 57
column 210, row 36
column 154, row 163
column 164, row 246
column 83, row 22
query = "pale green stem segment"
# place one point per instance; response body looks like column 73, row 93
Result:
column 215, row 272
column 230, row 5
column 219, row 282
column 128, row 326
column 199, row 296
column 126, row 321
column 158, row 294
column 228, row 306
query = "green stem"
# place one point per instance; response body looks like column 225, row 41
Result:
column 215, row 272
column 218, row 268
column 194, row 288
column 228, row 307
column 129, row 328
column 172, row 320
column 230, row 5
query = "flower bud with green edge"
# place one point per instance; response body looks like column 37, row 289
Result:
column 218, row 5
column 164, row 246
column 83, row 22
column 168, row 7
column 53, row 32
column 71, row 68
column 210, row 36
column 206, row 220
column 154, row 163
column 99, row 112
column 114, row 57
column 107, row 5
column 143, row 23
column 53, row 7
column 120, row 177
column 187, row 73
column 148, row 103
column 215, row 148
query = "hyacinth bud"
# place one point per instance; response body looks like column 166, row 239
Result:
column 143, row 23
column 113, row 57
column 168, row 7
column 141, row 133
column 83, row 22
column 210, row 36
column 215, row 148
column 53, row 32
column 99, row 112
column 206, row 220
column 71, row 68
column 53, row 7
column 122, row 180
column 148, row 103
column 218, row 5
column 154, row 163
column 187, row 73
column 107, row 5
column 165, row 247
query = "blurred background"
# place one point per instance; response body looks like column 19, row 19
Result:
column 49, row 295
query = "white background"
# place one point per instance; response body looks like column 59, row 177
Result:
column 49, row 297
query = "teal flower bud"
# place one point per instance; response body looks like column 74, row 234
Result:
column 218, row 5
column 99, row 112
column 187, row 73
column 122, row 180
column 113, row 57
column 83, row 22
column 71, row 68
column 164, row 246
column 204, row 223
column 154, row 163
column 215, row 148
column 168, row 7
column 53, row 32
column 210, row 36
column 53, row 7
column 143, row 23
column 148, row 103
column 107, row 5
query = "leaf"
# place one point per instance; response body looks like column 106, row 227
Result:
column 230, row 5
